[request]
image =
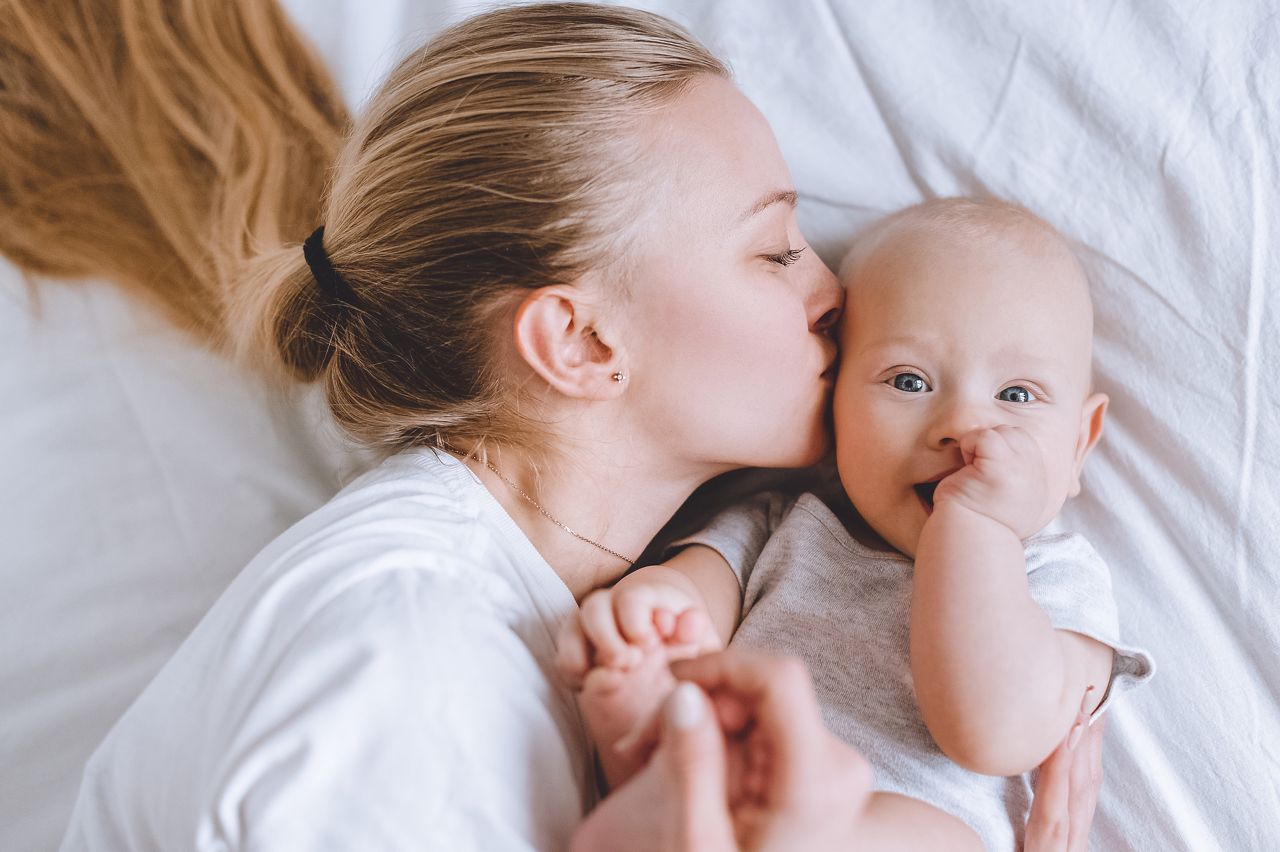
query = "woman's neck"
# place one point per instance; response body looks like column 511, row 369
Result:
column 613, row 506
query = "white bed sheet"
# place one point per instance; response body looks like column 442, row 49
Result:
column 137, row 474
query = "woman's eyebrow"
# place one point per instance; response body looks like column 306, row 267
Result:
column 779, row 196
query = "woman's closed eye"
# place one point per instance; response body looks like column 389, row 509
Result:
column 785, row 258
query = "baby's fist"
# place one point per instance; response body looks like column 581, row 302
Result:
column 645, row 610
column 1003, row 478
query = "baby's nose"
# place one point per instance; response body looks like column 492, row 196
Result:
column 957, row 420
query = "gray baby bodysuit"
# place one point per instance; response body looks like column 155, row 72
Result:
column 811, row 590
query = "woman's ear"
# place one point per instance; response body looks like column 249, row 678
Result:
column 1092, row 416
column 557, row 333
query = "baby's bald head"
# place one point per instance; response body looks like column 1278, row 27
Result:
column 1030, row 269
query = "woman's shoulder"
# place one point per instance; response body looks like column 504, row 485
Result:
column 398, row 583
column 429, row 486
column 373, row 638
column 419, row 520
column 416, row 504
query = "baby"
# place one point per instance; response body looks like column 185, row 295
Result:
column 951, row 637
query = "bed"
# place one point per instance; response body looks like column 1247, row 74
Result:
column 138, row 473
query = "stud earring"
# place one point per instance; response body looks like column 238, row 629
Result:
column 619, row 376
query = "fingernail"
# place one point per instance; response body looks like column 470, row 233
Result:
column 1074, row 738
column 685, row 706
column 1084, row 702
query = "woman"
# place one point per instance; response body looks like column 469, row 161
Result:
column 559, row 284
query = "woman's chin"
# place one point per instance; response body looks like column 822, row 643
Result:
column 813, row 451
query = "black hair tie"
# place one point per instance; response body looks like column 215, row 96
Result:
column 328, row 279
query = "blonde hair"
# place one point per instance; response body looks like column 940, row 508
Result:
column 156, row 144
column 498, row 159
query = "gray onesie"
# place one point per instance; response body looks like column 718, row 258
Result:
column 811, row 590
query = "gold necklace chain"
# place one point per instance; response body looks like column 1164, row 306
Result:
column 552, row 519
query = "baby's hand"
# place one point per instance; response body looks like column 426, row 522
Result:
column 1003, row 478
column 616, row 650
column 649, row 609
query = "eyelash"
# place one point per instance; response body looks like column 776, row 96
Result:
column 785, row 258
column 1034, row 392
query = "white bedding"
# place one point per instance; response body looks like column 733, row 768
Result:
column 137, row 474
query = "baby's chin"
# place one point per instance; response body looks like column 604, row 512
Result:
column 887, row 538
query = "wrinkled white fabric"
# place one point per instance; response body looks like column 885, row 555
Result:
column 138, row 474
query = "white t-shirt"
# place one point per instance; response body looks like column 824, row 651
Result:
column 380, row 677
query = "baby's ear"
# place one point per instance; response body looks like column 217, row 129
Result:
column 1092, row 415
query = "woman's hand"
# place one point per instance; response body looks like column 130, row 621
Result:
column 792, row 784
column 676, row 802
column 744, row 761
column 1066, row 792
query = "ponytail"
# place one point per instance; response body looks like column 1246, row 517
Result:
column 161, row 145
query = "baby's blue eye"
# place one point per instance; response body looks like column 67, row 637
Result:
column 1014, row 394
column 910, row 382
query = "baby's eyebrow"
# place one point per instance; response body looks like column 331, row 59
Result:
column 1023, row 356
column 897, row 342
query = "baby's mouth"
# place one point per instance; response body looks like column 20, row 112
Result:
column 924, row 490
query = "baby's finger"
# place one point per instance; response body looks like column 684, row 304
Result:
column 601, row 629
column 664, row 620
column 1017, row 440
column 634, row 611
column 693, row 627
column 600, row 681
column 985, row 444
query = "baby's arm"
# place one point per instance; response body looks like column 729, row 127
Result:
column 996, row 683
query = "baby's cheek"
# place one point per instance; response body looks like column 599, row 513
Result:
column 1058, row 481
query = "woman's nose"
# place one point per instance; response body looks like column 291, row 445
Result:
column 824, row 299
